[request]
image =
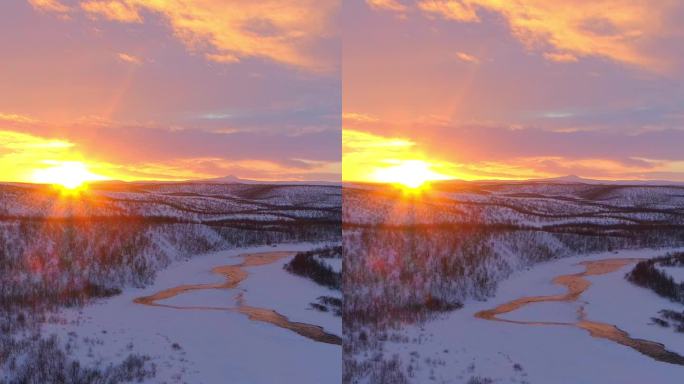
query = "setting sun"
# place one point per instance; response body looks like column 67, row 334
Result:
column 68, row 174
column 412, row 174
column 394, row 160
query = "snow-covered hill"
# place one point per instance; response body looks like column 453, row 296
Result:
column 62, row 249
column 410, row 257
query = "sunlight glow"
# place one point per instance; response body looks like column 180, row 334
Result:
column 68, row 174
column 411, row 174
column 393, row 160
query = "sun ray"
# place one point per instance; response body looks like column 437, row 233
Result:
column 411, row 174
column 70, row 175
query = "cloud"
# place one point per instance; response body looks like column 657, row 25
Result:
column 619, row 30
column 560, row 57
column 467, row 58
column 521, row 114
column 212, row 167
column 125, row 57
column 368, row 156
column 452, row 10
column 387, row 5
column 226, row 58
column 497, row 152
column 49, row 6
column 23, row 154
column 227, row 31
column 606, row 154
column 17, row 118
column 354, row 117
column 130, row 142
column 598, row 168
column 137, row 98
column 11, row 140
column 113, row 10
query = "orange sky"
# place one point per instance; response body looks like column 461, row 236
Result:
column 485, row 89
column 137, row 89
column 469, row 89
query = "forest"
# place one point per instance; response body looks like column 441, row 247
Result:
column 58, row 251
column 408, row 259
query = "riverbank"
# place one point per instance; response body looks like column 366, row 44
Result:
column 208, row 346
column 460, row 345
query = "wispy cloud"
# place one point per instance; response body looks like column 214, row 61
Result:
column 587, row 87
column 17, row 118
column 128, row 58
column 452, row 10
column 22, row 154
column 467, row 58
column 286, row 31
column 49, row 6
column 563, row 31
column 389, row 5
column 524, row 153
column 355, row 117
column 561, row 57
column 368, row 155
column 133, row 88
column 113, row 10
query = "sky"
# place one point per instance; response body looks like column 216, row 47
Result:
column 170, row 90
column 487, row 89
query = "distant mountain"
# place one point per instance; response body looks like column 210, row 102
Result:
column 232, row 179
column 219, row 180
column 571, row 179
column 574, row 179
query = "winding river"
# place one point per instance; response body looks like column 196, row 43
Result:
column 235, row 274
column 576, row 284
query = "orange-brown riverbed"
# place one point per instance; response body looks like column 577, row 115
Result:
column 234, row 275
column 576, row 284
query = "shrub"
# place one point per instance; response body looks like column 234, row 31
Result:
column 305, row 264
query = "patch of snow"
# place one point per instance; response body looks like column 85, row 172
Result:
column 458, row 345
column 212, row 346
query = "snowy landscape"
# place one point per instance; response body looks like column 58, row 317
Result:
column 514, row 283
column 171, row 283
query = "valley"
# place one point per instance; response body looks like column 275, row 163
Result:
column 434, row 271
column 167, row 282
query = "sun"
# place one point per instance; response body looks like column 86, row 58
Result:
column 70, row 175
column 411, row 174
